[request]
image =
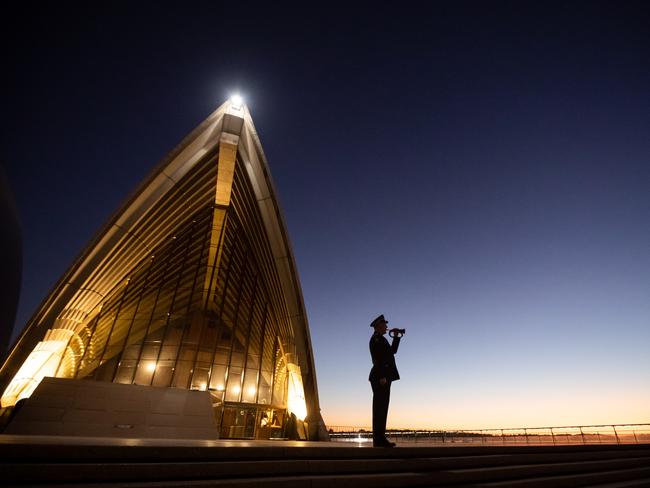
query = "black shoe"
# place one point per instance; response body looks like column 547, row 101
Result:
column 384, row 443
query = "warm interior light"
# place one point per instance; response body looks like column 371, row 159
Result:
column 296, row 402
column 251, row 391
column 220, row 387
column 151, row 366
column 43, row 361
column 236, row 389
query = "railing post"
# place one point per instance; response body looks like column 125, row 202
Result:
column 526, row 433
column 503, row 439
column 552, row 435
column 582, row 434
column 634, row 434
column 618, row 442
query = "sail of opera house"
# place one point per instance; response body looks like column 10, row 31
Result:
column 192, row 284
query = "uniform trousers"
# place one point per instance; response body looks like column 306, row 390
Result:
column 380, row 400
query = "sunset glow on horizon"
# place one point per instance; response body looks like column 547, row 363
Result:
column 496, row 413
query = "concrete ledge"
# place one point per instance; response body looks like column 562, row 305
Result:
column 81, row 408
column 61, row 448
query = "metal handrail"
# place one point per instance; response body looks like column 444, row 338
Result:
column 557, row 435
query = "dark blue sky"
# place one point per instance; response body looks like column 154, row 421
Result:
column 478, row 172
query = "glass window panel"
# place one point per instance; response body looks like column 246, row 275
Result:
column 204, row 356
column 100, row 336
column 232, row 285
column 225, row 337
column 125, row 372
column 243, row 313
column 144, row 372
column 238, row 342
column 168, row 352
column 106, row 372
column 264, row 395
column 146, row 307
column 237, row 359
column 188, row 353
column 194, row 332
column 254, row 343
column 129, row 305
column 194, row 257
column 218, row 378
column 121, row 328
column 266, row 381
column 230, row 303
column 163, row 306
column 150, row 352
column 136, row 337
column 138, row 329
column 182, row 299
column 163, row 373
column 233, row 388
column 110, row 353
column 200, row 378
column 222, row 355
column 254, row 351
column 249, row 393
column 197, row 299
column 131, row 352
column 104, row 334
column 253, row 361
column 217, row 405
column 208, row 336
column 280, row 380
column 269, row 348
column 229, row 422
column 227, row 317
column 174, row 331
column 156, row 332
column 182, row 374
column 219, row 277
column 255, row 338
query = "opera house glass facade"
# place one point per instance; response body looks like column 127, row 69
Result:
column 191, row 284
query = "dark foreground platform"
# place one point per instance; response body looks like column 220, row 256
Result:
column 34, row 461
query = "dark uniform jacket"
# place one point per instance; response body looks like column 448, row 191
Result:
column 383, row 358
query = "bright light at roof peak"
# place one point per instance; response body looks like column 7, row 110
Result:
column 237, row 101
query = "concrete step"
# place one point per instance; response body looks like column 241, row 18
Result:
column 383, row 480
column 524, row 473
column 154, row 466
column 386, row 480
column 519, row 475
column 636, row 483
column 118, row 471
column 634, row 477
